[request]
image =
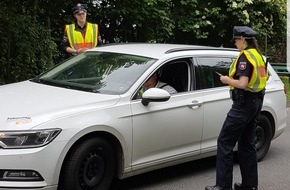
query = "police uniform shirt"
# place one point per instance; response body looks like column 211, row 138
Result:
column 65, row 43
column 81, row 29
column 244, row 67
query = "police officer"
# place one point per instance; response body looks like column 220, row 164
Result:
column 81, row 35
column 247, row 81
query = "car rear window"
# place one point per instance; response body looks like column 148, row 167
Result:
column 207, row 68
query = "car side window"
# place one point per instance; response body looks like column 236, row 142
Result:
column 174, row 73
column 207, row 68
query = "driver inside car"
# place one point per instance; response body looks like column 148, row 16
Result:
column 153, row 82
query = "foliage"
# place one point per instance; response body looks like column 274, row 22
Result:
column 25, row 43
column 31, row 30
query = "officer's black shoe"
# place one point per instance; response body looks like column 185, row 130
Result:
column 239, row 186
column 216, row 188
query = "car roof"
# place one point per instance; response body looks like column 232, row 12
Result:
column 152, row 50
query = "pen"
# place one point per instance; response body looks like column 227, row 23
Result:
column 218, row 73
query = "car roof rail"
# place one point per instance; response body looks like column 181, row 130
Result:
column 199, row 48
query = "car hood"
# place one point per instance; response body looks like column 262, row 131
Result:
column 25, row 105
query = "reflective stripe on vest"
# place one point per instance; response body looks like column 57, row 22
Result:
column 259, row 75
column 77, row 40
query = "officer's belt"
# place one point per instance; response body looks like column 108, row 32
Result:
column 242, row 95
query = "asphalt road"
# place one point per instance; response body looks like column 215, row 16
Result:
column 274, row 172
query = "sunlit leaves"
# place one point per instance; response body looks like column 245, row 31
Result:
column 29, row 46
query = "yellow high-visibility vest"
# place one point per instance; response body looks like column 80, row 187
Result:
column 259, row 75
column 77, row 40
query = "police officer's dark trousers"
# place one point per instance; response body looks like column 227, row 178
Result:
column 239, row 126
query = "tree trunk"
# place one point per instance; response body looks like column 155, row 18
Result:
column 49, row 51
column 35, row 4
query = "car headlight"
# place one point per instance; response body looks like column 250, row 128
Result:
column 27, row 139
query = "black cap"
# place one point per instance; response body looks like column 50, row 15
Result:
column 79, row 8
column 243, row 32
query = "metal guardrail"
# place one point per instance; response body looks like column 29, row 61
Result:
column 281, row 69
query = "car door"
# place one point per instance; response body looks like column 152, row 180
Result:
column 167, row 131
column 216, row 97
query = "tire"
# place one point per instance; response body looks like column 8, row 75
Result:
column 263, row 136
column 89, row 166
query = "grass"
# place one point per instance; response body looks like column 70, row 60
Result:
column 286, row 82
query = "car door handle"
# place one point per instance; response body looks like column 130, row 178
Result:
column 195, row 104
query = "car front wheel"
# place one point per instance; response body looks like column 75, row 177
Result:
column 89, row 166
column 263, row 136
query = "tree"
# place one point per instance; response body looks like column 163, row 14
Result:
column 133, row 21
column 30, row 31
column 25, row 41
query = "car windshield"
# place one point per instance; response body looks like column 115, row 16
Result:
column 99, row 72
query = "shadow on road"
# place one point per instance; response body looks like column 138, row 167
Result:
column 165, row 174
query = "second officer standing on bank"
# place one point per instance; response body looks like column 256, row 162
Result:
column 247, row 80
column 80, row 35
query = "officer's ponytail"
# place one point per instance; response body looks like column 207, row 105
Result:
column 253, row 43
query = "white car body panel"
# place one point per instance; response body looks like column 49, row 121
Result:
column 161, row 134
column 178, row 131
column 46, row 104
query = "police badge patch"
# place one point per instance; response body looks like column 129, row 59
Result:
column 243, row 65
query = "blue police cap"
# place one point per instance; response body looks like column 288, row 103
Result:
column 79, row 8
column 243, row 31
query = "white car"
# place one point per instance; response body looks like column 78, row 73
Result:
column 83, row 123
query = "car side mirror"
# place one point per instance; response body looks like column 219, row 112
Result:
column 154, row 95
